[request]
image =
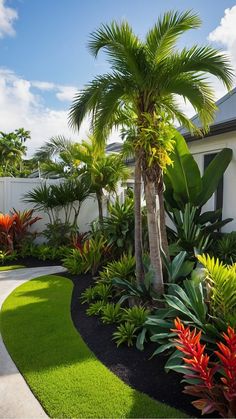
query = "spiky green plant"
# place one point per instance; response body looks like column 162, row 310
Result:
column 222, row 282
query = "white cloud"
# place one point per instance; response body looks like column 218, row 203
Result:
column 43, row 85
column 66, row 93
column 63, row 93
column 20, row 107
column 7, row 18
column 225, row 33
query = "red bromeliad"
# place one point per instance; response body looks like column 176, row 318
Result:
column 214, row 383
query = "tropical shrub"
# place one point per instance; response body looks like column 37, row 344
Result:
column 57, row 233
column 88, row 295
column 111, row 313
column 67, row 196
column 23, row 220
column 7, row 257
column 221, row 287
column 225, row 248
column 96, row 308
column 125, row 333
column 88, row 258
column 212, row 382
column 188, row 301
column 118, row 228
column 194, row 231
column 136, row 315
column 183, row 181
column 6, row 232
column 122, row 268
column 139, row 293
column 186, row 191
column 177, row 268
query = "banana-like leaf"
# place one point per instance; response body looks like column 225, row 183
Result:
column 184, row 174
column 213, row 174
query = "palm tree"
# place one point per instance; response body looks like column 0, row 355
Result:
column 12, row 149
column 148, row 75
column 86, row 160
column 101, row 171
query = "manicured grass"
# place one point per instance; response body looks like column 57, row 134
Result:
column 11, row 268
column 60, row 369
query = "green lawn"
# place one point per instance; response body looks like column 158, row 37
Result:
column 60, row 369
column 11, row 267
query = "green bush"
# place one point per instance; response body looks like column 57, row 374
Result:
column 225, row 248
column 122, row 268
column 95, row 308
column 136, row 315
column 111, row 313
column 125, row 333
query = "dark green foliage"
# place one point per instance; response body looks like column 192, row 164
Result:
column 7, row 257
column 195, row 231
column 178, row 268
column 119, row 226
column 122, row 268
column 225, row 248
column 95, row 308
column 183, row 181
column 140, row 293
column 87, row 258
column 185, row 194
column 136, row 315
column 58, row 233
column 111, row 313
column 125, row 333
column 88, row 295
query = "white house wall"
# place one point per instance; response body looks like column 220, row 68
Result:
column 211, row 145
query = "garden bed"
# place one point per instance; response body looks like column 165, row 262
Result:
column 131, row 365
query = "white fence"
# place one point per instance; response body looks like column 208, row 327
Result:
column 12, row 191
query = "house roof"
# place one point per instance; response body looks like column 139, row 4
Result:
column 225, row 117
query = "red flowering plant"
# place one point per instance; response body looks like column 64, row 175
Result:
column 6, row 231
column 213, row 382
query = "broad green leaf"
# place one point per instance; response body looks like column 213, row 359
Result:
column 213, row 174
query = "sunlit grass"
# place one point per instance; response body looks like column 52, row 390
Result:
column 11, row 267
column 60, row 369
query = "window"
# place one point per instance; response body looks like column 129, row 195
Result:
column 218, row 195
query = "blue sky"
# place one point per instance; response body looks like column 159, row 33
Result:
column 44, row 57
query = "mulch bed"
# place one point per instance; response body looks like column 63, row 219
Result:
column 31, row 262
column 131, row 365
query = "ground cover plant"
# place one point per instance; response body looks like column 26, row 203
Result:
column 62, row 372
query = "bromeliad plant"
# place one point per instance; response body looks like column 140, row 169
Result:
column 212, row 382
column 87, row 258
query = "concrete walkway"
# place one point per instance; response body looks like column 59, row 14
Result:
column 16, row 399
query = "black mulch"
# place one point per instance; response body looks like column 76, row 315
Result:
column 31, row 262
column 131, row 365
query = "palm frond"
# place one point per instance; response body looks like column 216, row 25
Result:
column 162, row 38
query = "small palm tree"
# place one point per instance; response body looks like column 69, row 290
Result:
column 101, row 171
column 148, row 76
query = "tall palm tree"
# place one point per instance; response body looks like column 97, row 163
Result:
column 148, row 74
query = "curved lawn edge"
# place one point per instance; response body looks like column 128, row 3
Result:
column 60, row 369
column 11, row 267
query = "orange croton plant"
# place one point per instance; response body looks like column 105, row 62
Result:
column 213, row 382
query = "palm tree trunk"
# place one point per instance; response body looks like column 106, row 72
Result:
column 100, row 207
column 164, row 240
column 138, row 221
column 154, row 236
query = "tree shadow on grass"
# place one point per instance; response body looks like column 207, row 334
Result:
column 36, row 326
